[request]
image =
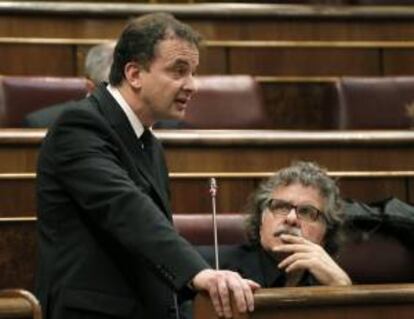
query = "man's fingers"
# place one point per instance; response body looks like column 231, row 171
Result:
column 291, row 259
column 224, row 297
column 248, row 292
column 237, row 287
column 243, row 292
column 215, row 300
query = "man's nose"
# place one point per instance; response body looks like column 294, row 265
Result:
column 292, row 217
column 191, row 84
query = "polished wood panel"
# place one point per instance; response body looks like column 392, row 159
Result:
column 258, row 151
column 300, row 103
column 19, row 149
column 325, row 62
column 18, row 247
column 234, row 191
column 213, row 60
column 55, row 57
column 215, row 21
column 398, row 62
column 359, row 302
column 32, row 59
column 17, row 195
column 56, row 26
column 262, row 58
column 247, row 151
column 189, row 191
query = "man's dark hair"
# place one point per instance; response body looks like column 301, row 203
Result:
column 307, row 174
column 139, row 40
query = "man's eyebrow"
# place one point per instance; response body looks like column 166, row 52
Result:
column 181, row 61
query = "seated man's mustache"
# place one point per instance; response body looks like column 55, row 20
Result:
column 295, row 231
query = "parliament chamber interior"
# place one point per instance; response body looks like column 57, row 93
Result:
column 329, row 81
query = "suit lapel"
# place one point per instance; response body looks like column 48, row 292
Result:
column 118, row 120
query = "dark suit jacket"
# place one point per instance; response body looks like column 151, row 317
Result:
column 46, row 117
column 106, row 241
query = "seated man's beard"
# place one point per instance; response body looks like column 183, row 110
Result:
column 283, row 229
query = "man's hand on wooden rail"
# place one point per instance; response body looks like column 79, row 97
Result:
column 221, row 284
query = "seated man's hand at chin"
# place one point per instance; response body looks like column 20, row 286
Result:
column 303, row 255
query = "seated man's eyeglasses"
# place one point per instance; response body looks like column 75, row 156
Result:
column 304, row 212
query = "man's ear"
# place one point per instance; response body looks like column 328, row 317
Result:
column 132, row 72
column 90, row 86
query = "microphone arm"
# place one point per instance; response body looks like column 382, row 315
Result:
column 213, row 193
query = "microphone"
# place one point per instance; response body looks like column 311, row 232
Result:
column 213, row 193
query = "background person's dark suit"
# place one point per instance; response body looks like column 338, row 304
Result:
column 107, row 245
column 46, row 117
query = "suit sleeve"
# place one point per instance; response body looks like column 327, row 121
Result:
column 88, row 165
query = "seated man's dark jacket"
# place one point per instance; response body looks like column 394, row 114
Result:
column 251, row 262
column 44, row 118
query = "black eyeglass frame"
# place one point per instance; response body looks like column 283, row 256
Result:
column 304, row 212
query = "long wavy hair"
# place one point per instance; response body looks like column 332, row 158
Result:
column 307, row 174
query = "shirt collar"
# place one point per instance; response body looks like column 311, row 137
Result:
column 132, row 118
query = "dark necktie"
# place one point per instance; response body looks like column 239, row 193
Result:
column 146, row 140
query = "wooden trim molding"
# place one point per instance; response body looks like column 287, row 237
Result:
column 19, row 303
column 254, row 138
column 242, row 175
column 207, row 10
column 230, row 43
column 361, row 294
column 249, row 138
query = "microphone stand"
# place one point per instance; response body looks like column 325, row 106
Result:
column 213, row 193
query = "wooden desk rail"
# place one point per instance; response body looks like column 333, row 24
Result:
column 358, row 302
column 18, row 303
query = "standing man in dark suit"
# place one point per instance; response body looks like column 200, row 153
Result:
column 107, row 245
column 97, row 66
